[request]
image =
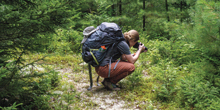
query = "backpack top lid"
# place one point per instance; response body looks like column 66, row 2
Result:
column 109, row 27
column 87, row 32
column 112, row 29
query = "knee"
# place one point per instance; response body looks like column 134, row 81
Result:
column 132, row 68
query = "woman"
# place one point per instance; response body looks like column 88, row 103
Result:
column 125, row 66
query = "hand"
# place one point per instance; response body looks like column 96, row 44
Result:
column 141, row 46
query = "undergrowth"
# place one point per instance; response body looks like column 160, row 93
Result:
column 168, row 76
column 178, row 78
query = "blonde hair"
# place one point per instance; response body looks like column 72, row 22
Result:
column 131, row 35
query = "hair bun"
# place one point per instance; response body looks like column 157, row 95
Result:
column 131, row 35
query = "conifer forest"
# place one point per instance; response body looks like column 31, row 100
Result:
column 41, row 66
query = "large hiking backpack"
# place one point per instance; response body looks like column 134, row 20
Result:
column 98, row 43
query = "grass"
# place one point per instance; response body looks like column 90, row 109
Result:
column 157, row 82
column 138, row 89
column 70, row 68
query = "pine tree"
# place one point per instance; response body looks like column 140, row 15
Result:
column 25, row 27
column 206, row 37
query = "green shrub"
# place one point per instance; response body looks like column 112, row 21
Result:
column 198, row 93
column 28, row 86
column 136, row 77
column 166, row 75
column 13, row 107
column 65, row 41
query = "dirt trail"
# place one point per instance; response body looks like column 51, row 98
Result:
column 102, row 98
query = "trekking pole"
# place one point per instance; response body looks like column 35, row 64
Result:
column 90, row 76
column 98, row 81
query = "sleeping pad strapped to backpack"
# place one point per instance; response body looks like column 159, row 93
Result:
column 98, row 43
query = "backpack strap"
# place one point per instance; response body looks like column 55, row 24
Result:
column 116, row 64
column 110, row 61
column 109, row 71
column 94, row 56
column 110, row 66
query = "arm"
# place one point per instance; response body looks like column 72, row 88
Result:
column 133, row 59
column 123, row 57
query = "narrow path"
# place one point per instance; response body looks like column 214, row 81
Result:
column 102, row 98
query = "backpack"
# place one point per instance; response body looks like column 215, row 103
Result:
column 98, row 43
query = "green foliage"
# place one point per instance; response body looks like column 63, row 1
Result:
column 136, row 77
column 168, row 79
column 13, row 107
column 180, row 70
column 28, row 87
column 26, row 29
column 65, row 41
column 172, row 60
column 206, row 31
column 156, row 29
column 198, row 93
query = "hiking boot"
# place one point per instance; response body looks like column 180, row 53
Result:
column 115, row 87
column 110, row 85
column 104, row 82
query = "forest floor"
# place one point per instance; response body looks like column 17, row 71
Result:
column 74, row 81
column 98, row 95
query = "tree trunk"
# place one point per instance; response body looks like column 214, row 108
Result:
column 168, row 19
column 120, row 11
column 113, row 10
column 120, row 7
column 181, row 9
column 144, row 16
